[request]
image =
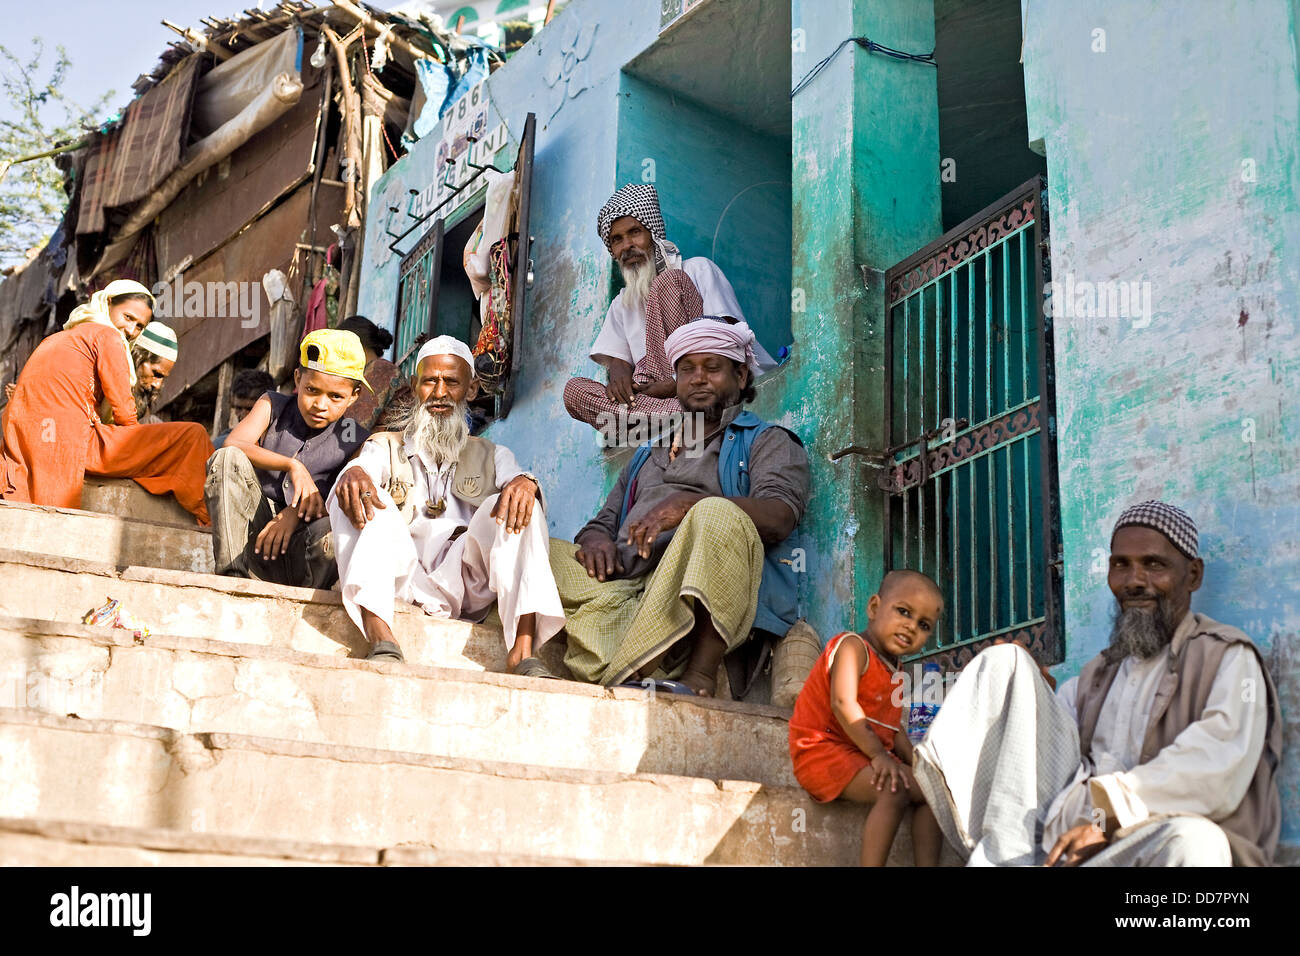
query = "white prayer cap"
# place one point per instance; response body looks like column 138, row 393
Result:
column 447, row 345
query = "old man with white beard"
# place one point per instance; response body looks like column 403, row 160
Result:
column 450, row 522
column 662, row 291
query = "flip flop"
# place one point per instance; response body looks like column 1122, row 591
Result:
column 386, row 651
column 667, row 686
column 533, row 667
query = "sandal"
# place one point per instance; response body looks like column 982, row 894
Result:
column 668, row 686
column 386, row 651
column 533, row 667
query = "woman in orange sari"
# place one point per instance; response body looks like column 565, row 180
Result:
column 53, row 435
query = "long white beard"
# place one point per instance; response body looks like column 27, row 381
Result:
column 439, row 438
column 638, row 278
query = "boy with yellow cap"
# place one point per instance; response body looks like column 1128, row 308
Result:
column 267, row 485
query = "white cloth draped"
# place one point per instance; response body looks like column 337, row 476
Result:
column 389, row 560
column 1003, row 746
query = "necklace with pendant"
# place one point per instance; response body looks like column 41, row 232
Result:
column 435, row 511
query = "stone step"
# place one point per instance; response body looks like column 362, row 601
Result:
column 235, row 610
column 122, row 496
column 26, row 842
column 64, row 843
column 111, row 539
column 134, row 775
column 194, row 685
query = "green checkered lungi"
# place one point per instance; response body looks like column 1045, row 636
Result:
column 616, row 627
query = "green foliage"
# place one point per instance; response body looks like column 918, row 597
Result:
column 37, row 117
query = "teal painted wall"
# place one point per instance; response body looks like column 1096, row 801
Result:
column 866, row 193
column 1165, row 170
column 729, row 198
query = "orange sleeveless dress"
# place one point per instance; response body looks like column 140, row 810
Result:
column 825, row 758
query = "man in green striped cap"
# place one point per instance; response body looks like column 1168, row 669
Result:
column 154, row 352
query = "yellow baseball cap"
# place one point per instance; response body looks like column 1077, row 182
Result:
column 335, row 352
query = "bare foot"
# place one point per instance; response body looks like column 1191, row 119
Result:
column 703, row 684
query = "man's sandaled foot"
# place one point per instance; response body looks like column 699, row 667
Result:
column 533, row 667
column 386, row 651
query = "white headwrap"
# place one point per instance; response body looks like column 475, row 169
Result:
column 708, row 334
column 96, row 310
column 447, row 345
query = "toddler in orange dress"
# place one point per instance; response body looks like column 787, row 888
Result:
column 846, row 734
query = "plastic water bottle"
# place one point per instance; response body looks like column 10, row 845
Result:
column 925, row 702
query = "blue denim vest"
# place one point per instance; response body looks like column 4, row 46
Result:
column 778, row 593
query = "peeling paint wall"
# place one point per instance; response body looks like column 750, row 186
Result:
column 1186, row 181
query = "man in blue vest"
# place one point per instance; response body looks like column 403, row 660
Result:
column 689, row 554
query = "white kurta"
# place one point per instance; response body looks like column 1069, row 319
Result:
column 389, row 560
column 623, row 334
column 1206, row 770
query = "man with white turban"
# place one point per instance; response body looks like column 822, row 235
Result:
column 435, row 517
column 661, row 292
column 689, row 554
column 1162, row 752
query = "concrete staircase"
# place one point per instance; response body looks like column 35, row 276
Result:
column 244, row 730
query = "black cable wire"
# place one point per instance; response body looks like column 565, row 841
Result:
column 871, row 47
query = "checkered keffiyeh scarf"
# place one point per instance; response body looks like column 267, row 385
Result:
column 1174, row 523
column 638, row 200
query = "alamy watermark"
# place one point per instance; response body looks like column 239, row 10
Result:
column 1072, row 298
column 130, row 910
column 206, row 300
column 634, row 429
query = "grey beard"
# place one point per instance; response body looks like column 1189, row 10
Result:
column 439, row 438
column 638, row 279
column 1141, row 632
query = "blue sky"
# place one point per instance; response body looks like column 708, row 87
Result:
column 110, row 42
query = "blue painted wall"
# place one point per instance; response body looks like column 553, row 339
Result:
column 725, row 195
column 573, row 175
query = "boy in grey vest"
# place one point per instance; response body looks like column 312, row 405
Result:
column 266, row 487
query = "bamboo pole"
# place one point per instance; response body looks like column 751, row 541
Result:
column 368, row 21
column 198, row 40
column 6, row 163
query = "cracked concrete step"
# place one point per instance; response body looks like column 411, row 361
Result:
column 195, row 685
column 70, row 843
column 122, row 496
column 122, row 774
column 232, row 609
column 112, row 539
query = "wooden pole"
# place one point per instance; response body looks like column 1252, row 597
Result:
column 222, row 417
column 198, row 40
column 367, row 20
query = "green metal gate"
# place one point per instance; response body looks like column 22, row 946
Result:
column 417, row 296
column 970, row 468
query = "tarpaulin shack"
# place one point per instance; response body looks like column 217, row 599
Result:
column 245, row 159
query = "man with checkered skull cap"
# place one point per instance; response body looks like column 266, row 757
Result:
column 1162, row 752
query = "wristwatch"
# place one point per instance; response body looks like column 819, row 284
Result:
column 531, row 477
